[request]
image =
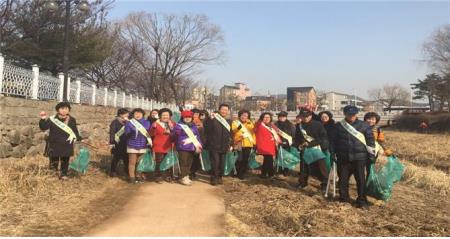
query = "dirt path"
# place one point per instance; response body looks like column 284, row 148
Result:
column 168, row 210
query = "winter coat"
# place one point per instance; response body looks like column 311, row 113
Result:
column 180, row 137
column 217, row 137
column 330, row 127
column 349, row 147
column 121, row 147
column 265, row 141
column 314, row 129
column 135, row 139
column 58, row 146
column 238, row 137
column 289, row 129
column 162, row 141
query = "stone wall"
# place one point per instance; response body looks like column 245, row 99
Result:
column 20, row 135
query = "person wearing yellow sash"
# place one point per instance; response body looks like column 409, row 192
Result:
column 63, row 133
column 138, row 142
column 244, row 141
column 354, row 146
column 188, row 143
column 196, row 164
column 118, row 141
column 286, row 133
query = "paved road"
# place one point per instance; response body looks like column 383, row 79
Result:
column 168, row 210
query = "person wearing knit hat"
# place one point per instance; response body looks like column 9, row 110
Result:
column 287, row 133
column 188, row 143
column 352, row 154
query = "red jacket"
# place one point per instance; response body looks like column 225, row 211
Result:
column 162, row 141
column 265, row 142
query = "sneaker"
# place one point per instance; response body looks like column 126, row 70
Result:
column 140, row 180
column 185, row 181
column 220, row 181
column 213, row 181
column 362, row 205
column 63, row 178
column 169, row 179
column 133, row 181
column 158, row 180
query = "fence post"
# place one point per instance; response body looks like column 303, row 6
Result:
column 34, row 82
column 94, row 89
column 2, row 67
column 123, row 99
column 78, row 94
column 68, row 89
column 61, row 86
column 115, row 98
column 131, row 101
column 105, row 98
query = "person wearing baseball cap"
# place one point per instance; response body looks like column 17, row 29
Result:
column 352, row 153
column 188, row 143
column 287, row 133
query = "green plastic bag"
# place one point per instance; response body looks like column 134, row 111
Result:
column 176, row 116
column 252, row 163
column 205, row 161
column 286, row 159
column 169, row 160
column 230, row 161
column 146, row 164
column 328, row 161
column 380, row 183
column 80, row 164
column 312, row 155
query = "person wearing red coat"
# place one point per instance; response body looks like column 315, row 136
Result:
column 267, row 141
column 161, row 132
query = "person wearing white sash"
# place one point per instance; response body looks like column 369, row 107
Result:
column 244, row 141
column 188, row 143
column 196, row 164
column 354, row 146
column 311, row 138
column 118, row 141
column 286, row 133
column 138, row 142
column 62, row 136
column 218, row 141
column 267, row 141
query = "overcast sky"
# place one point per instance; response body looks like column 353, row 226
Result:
column 332, row 46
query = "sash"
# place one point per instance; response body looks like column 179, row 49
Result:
column 308, row 138
column 118, row 134
column 358, row 135
column 72, row 137
column 274, row 133
column 192, row 139
column 222, row 121
column 141, row 130
column 285, row 136
column 161, row 124
column 245, row 132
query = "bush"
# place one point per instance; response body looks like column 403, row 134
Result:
column 437, row 121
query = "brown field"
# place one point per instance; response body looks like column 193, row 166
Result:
column 35, row 203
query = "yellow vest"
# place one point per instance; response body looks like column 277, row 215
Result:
column 238, row 135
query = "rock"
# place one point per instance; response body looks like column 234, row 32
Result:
column 5, row 150
column 19, row 151
column 32, row 151
column 27, row 131
column 13, row 137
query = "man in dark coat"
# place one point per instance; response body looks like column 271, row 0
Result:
column 118, row 149
column 288, row 128
column 352, row 154
column 218, row 141
column 313, row 136
column 60, row 142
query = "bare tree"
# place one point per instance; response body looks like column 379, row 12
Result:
column 171, row 48
column 437, row 50
column 390, row 95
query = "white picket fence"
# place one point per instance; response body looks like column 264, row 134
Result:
column 32, row 84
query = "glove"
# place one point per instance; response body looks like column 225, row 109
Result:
column 239, row 127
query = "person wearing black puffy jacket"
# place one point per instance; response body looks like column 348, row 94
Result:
column 352, row 155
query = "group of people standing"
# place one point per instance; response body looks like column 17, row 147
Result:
column 350, row 142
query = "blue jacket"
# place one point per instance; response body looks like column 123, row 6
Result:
column 135, row 139
column 180, row 136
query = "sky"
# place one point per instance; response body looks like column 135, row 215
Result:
column 332, row 46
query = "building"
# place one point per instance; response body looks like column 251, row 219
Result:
column 297, row 96
column 335, row 101
column 256, row 103
column 239, row 92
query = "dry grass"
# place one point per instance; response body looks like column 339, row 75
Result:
column 35, row 203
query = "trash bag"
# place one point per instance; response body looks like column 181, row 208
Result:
column 169, row 160
column 312, row 155
column 176, row 116
column 252, row 163
column 80, row 164
column 230, row 161
column 286, row 159
column 328, row 161
column 146, row 164
column 205, row 161
column 380, row 182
